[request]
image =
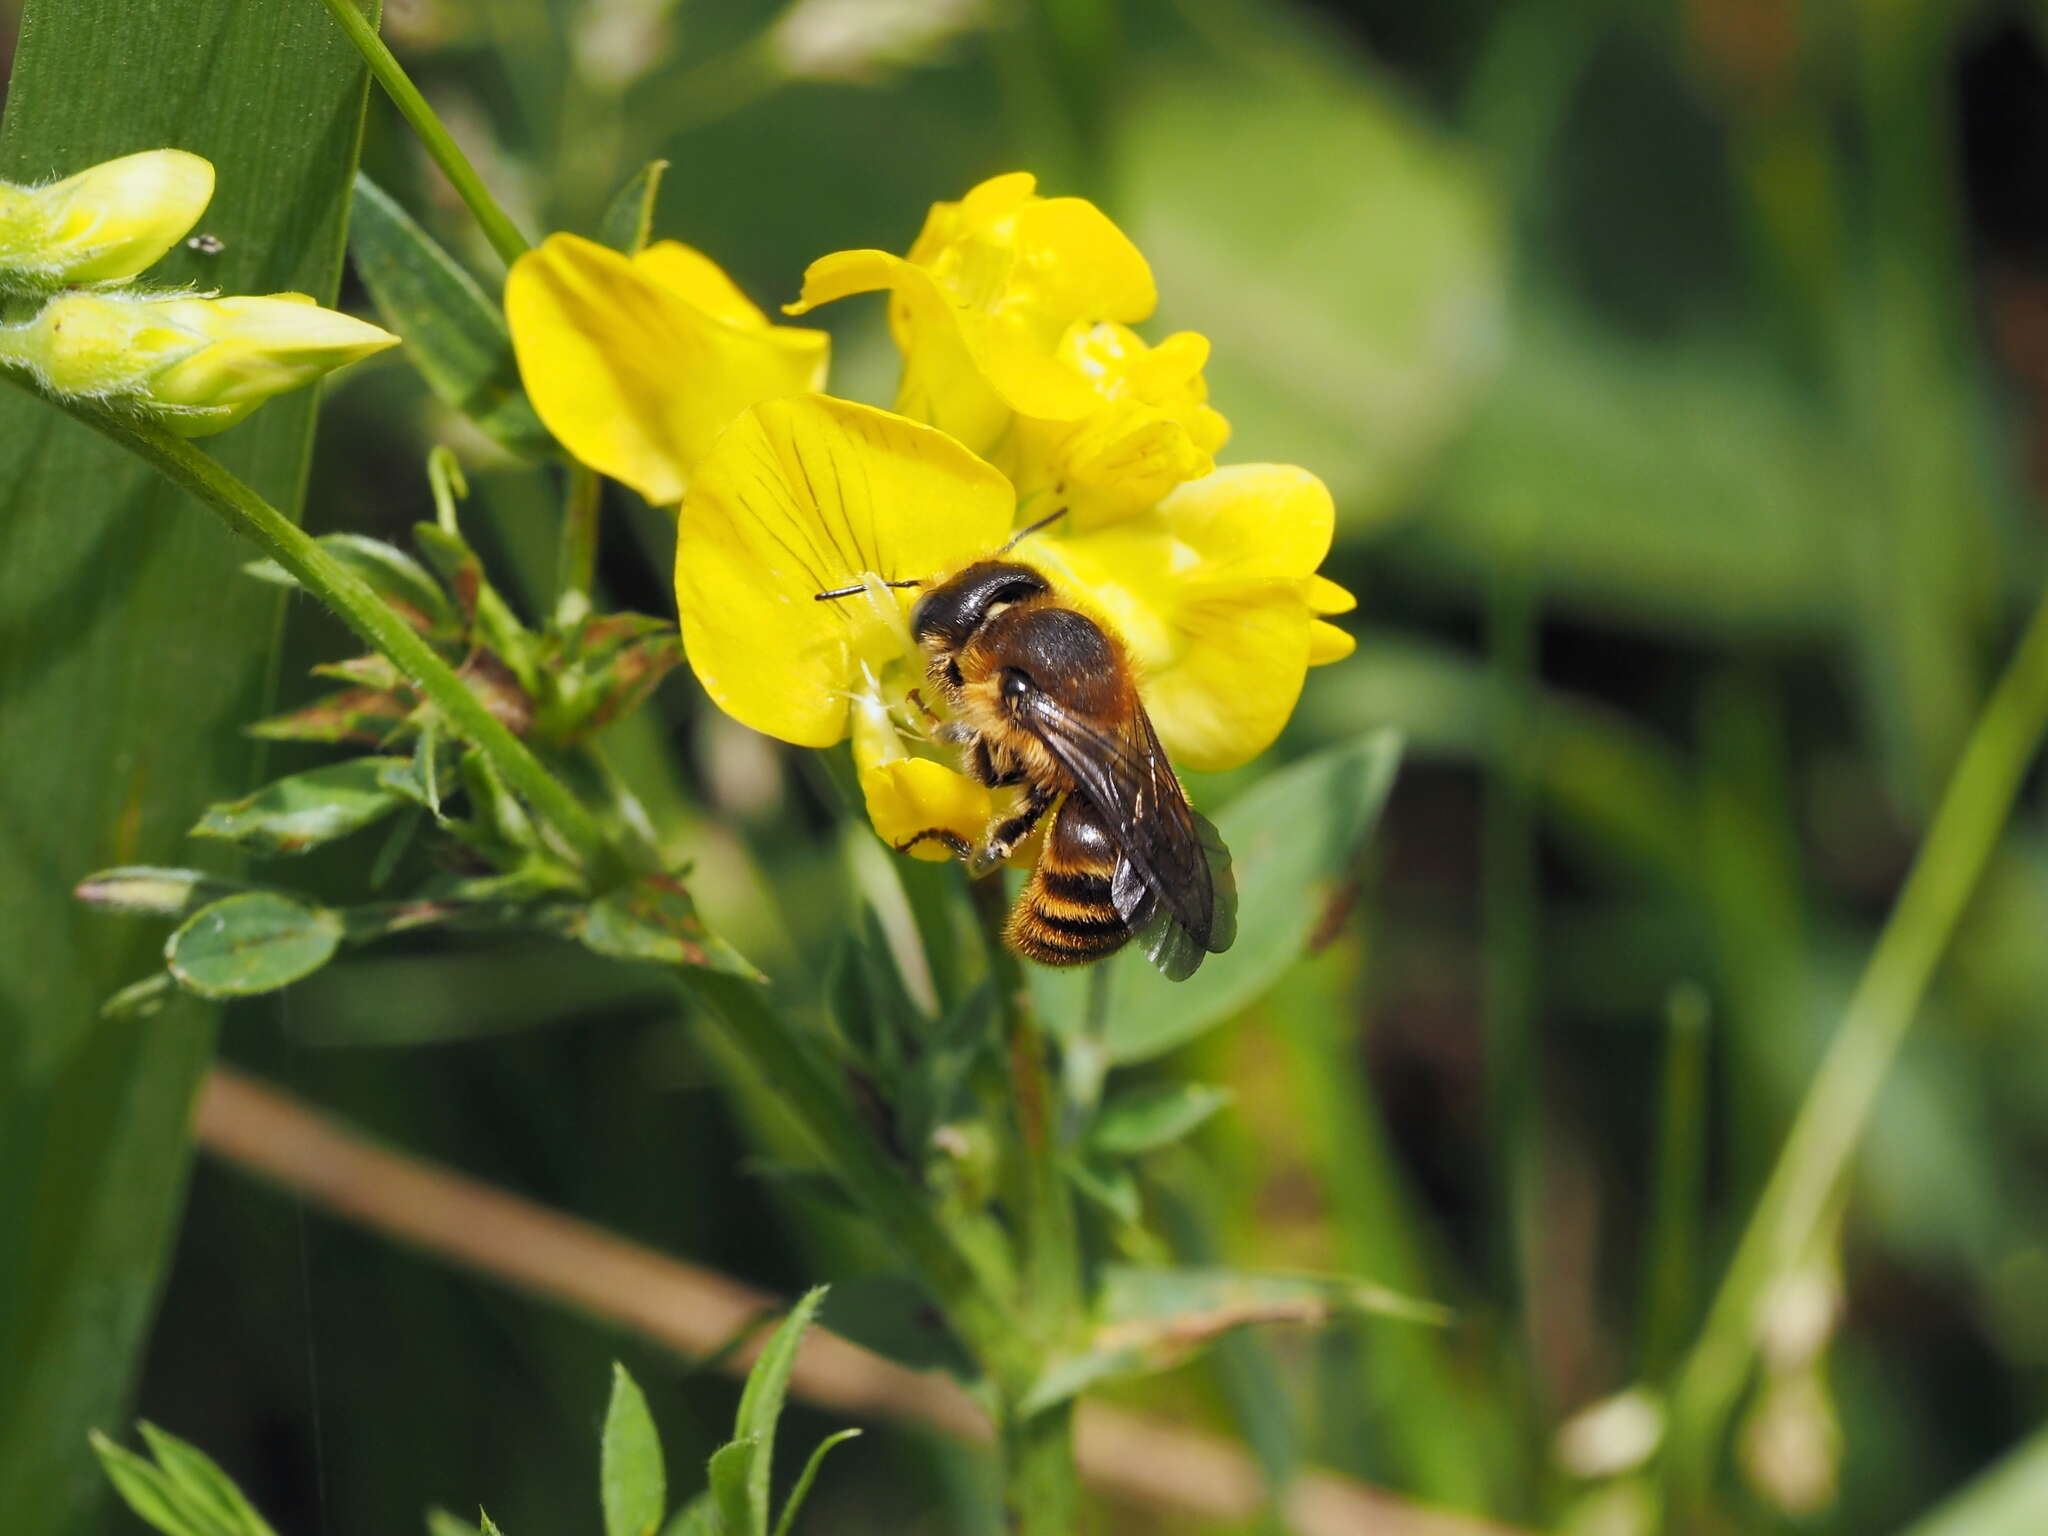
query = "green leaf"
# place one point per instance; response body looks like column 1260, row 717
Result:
column 304, row 810
column 2007, row 1500
column 699, row 1517
column 454, row 335
column 732, row 1480
column 141, row 999
column 204, row 1485
column 441, row 1523
column 255, row 942
column 146, row 1489
column 653, row 919
column 482, row 608
column 389, row 572
column 1295, row 839
column 761, row 1406
column 130, row 653
column 628, row 224
column 1154, row 1319
column 147, row 890
column 802, row 1490
column 634, row 1489
column 1337, row 342
column 1153, row 1116
column 359, row 716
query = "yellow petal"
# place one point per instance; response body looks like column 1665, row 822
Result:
column 1077, row 265
column 695, row 278
column 1328, row 643
column 1243, row 651
column 638, row 366
column 915, row 794
column 800, row 496
column 1245, row 520
column 1326, row 597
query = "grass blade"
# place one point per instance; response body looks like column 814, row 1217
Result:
column 121, row 692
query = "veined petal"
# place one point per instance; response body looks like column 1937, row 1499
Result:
column 636, row 366
column 804, row 495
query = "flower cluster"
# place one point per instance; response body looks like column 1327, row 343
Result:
column 1027, row 402
column 196, row 363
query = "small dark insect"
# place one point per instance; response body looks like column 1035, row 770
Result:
column 1044, row 697
column 207, row 245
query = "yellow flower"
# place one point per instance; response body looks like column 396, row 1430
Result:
column 1011, row 311
column 1214, row 590
column 636, row 364
column 104, row 225
column 808, row 494
column 200, row 365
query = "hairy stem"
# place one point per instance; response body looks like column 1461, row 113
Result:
column 497, row 226
column 1810, row 1171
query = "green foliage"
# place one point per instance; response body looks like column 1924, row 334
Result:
column 1295, row 841
column 1153, row 1319
column 181, row 1492
column 1154, row 1116
column 628, row 224
column 454, row 335
column 633, row 1485
column 304, row 810
column 127, row 656
column 251, row 943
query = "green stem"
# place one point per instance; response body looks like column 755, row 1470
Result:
column 761, row 1034
column 498, row 228
column 577, row 568
column 1041, row 1484
column 1041, row 1495
column 792, row 1070
column 352, row 599
column 1814, row 1163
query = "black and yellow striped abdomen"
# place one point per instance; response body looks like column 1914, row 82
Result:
column 1065, row 916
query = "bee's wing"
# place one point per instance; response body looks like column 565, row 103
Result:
column 1172, row 883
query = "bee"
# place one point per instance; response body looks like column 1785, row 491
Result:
column 1044, row 698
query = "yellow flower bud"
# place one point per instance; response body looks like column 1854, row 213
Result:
column 103, row 225
column 200, row 365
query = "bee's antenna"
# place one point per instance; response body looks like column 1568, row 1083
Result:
column 857, row 588
column 1030, row 528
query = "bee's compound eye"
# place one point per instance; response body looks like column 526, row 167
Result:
column 1017, row 684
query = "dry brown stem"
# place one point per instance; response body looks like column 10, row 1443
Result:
column 695, row 1311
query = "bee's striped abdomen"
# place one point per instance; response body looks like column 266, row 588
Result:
column 1065, row 916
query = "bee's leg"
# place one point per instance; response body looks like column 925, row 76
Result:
column 962, row 849
column 949, row 731
column 996, row 773
column 1003, row 841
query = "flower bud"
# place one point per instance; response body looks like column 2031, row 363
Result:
column 103, row 225
column 200, row 365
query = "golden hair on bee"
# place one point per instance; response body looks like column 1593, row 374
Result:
column 1044, row 698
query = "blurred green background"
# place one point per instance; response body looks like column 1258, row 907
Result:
column 1681, row 371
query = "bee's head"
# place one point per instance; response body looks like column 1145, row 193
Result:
column 946, row 617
